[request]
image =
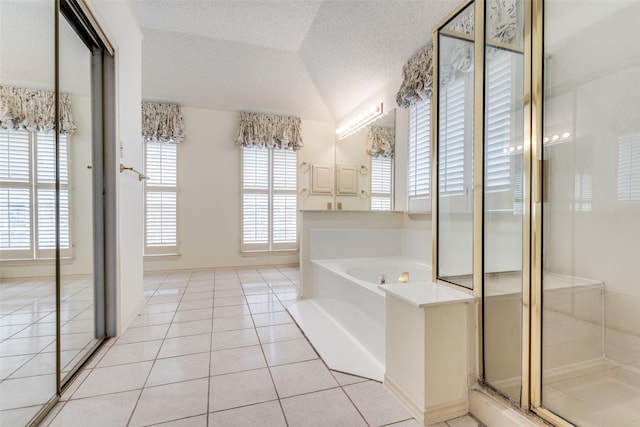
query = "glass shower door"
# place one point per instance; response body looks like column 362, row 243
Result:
column 504, row 204
column 591, row 213
column 455, row 97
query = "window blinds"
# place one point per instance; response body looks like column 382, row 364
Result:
column 161, row 229
column 269, row 199
column 381, row 183
column 28, row 192
column 419, row 176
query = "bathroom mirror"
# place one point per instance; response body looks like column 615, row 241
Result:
column 363, row 181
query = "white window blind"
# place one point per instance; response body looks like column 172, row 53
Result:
column 381, row 183
column 498, row 126
column 583, row 192
column 161, row 198
column 28, row 197
column 255, row 198
column 419, row 174
column 45, row 196
column 15, row 194
column 269, row 199
column 629, row 168
column 284, row 197
column 451, row 149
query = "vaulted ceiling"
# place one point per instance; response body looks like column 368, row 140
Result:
column 314, row 59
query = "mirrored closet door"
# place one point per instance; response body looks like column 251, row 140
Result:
column 52, row 315
column 28, row 317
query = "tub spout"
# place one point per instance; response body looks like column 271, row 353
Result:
column 382, row 279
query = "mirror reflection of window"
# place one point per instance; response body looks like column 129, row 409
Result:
column 629, row 168
column 381, row 183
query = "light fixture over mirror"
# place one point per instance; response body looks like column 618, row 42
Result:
column 360, row 121
column 366, row 176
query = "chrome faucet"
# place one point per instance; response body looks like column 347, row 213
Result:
column 382, row 279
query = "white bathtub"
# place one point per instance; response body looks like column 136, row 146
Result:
column 346, row 291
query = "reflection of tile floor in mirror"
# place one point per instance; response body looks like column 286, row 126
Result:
column 218, row 348
column 27, row 340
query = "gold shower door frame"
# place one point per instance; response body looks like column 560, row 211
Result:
column 531, row 347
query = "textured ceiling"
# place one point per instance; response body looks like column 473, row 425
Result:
column 314, row 59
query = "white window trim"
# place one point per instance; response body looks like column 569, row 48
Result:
column 383, row 195
column 270, row 246
column 34, row 253
column 168, row 250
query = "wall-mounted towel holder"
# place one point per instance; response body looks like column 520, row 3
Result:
column 141, row 176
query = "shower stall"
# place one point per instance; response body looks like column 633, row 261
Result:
column 536, row 144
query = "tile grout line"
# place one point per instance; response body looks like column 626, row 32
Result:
column 133, row 411
column 284, row 415
column 213, row 308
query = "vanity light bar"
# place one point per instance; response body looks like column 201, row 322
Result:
column 557, row 138
column 360, row 121
column 547, row 140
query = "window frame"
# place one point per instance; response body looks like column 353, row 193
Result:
column 161, row 250
column 382, row 195
column 33, row 185
column 270, row 246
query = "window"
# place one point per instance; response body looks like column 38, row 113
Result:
column 161, row 197
column 420, row 156
column 453, row 180
column 28, row 195
column 503, row 149
column 629, row 168
column 499, row 123
column 269, row 199
column 381, row 183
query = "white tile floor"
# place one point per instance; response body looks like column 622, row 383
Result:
column 27, row 340
column 217, row 348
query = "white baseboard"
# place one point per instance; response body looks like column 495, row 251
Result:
column 429, row 415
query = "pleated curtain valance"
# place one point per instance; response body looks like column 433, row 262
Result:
column 34, row 110
column 417, row 73
column 271, row 131
column 162, row 123
column 417, row 78
column 381, row 142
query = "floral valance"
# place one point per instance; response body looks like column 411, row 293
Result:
column 162, row 122
column 417, row 78
column 264, row 130
column 503, row 21
column 417, row 73
column 381, row 142
column 34, row 110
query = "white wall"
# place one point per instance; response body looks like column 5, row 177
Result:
column 209, row 216
column 117, row 21
column 319, row 147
